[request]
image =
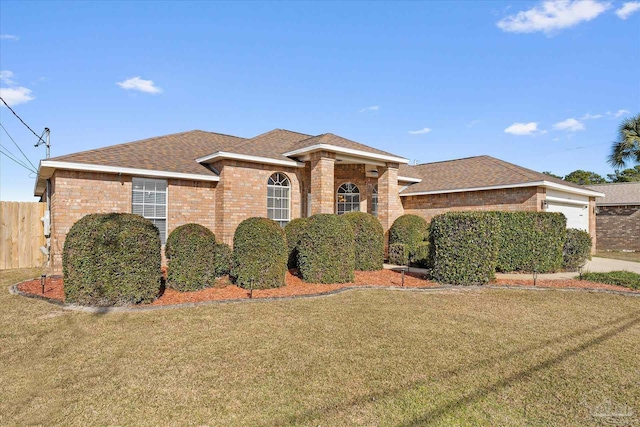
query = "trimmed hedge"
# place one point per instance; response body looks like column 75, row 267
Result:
column 190, row 255
column 398, row 254
column 463, row 248
column 368, row 239
column 529, row 241
column 111, row 259
column 293, row 230
column 259, row 254
column 326, row 252
column 577, row 248
column 421, row 257
column 410, row 230
column 222, row 259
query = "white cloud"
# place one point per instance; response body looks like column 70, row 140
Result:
column 621, row 113
column 552, row 16
column 522, row 128
column 16, row 95
column 570, row 125
column 372, row 108
column 420, row 132
column 6, row 77
column 141, row 85
column 9, row 37
column 628, row 9
column 472, row 123
column 591, row 116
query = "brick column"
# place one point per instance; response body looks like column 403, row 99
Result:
column 389, row 204
column 322, row 173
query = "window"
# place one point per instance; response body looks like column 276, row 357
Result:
column 348, row 198
column 278, row 198
column 150, row 201
column 374, row 200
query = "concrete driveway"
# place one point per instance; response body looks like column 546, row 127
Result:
column 600, row 265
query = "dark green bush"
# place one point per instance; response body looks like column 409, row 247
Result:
column 293, row 231
column 463, row 248
column 259, row 254
column 398, row 254
column 222, row 259
column 410, row 230
column 529, row 241
column 627, row 279
column 111, row 259
column 190, row 255
column 369, row 240
column 326, row 253
column 421, row 257
column 577, row 248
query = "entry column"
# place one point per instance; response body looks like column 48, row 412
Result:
column 322, row 182
column 389, row 204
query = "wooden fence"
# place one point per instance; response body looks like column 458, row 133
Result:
column 21, row 234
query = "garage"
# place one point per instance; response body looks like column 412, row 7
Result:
column 573, row 207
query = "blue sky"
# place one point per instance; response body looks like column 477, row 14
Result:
column 540, row 84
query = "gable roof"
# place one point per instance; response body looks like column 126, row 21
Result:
column 622, row 193
column 479, row 173
column 336, row 141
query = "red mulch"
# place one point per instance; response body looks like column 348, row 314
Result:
column 223, row 290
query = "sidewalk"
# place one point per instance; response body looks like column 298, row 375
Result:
column 595, row 265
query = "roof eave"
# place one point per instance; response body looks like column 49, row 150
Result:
column 344, row 150
column 221, row 155
column 546, row 184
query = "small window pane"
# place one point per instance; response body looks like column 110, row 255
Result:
column 278, row 198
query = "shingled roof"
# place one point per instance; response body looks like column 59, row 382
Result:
column 271, row 144
column 622, row 193
column 171, row 153
column 337, row 141
column 471, row 173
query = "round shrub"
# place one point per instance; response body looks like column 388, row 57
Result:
column 577, row 248
column 293, row 231
column 111, row 259
column 259, row 254
column 410, row 230
column 222, row 259
column 326, row 251
column 421, row 257
column 398, row 254
column 190, row 254
column 369, row 240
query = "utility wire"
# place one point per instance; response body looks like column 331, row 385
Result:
column 10, row 157
column 17, row 146
column 16, row 114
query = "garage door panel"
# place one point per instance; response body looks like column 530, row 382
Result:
column 577, row 216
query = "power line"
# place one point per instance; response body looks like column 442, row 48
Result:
column 10, row 157
column 16, row 114
column 17, row 146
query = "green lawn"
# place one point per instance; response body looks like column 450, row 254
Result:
column 625, row 256
column 370, row 357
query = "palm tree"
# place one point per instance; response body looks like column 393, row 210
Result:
column 627, row 147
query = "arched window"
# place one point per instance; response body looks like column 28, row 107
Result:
column 278, row 198
column 348, row 199
column 374, row 200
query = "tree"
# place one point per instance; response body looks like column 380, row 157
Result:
column 627, row 175
column 552, row 174
column 627, row 148
column 584, row 177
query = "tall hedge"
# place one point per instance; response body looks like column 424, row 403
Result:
column 111, row 259
column 368, row 237
column 410, row 230
column 326, row 252
column 190, row 252
column 259, row 254
column 577, row 249
column 293, row 230
column 463, row 248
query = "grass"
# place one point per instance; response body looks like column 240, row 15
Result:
column 625, row 256
column 370, row 357
column 627, row 279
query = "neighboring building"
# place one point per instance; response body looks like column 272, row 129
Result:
column 618, row 216
column 219, row 180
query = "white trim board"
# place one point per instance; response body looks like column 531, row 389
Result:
column 545, row 184
column 343, row 150
column 247, row 158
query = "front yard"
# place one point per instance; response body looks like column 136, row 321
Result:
column 367, row 357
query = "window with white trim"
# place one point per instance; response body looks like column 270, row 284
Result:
column 374, row 200
column 149, row 200
column 348, row 198
column 279, row 198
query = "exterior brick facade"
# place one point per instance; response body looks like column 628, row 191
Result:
column 322, row 182
column 618, row 227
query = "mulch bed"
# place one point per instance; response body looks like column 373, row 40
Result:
column 223, row 290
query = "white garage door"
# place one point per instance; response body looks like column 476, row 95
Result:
column 577, row 216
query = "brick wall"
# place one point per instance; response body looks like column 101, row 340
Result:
column 618, row 227
column 508, row 199
column 322, row 169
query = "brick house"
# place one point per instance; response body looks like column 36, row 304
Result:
column 618, row 216
column 219, row 180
